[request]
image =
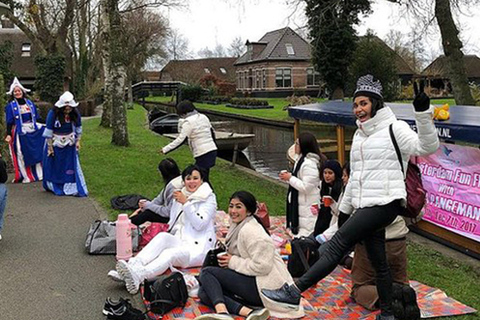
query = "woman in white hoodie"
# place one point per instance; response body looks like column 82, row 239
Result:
column 190, row 236
column 304, row 184
column 376, row 190
column 195, row 127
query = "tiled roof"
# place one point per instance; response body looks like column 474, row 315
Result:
column 275, row 47
column 191, row 71
column 23, row 67
column 438, row 67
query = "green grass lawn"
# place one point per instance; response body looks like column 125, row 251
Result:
column 112, row 171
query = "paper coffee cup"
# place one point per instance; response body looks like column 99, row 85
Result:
column 327, row 201
column 221, row 254
column 315, row 205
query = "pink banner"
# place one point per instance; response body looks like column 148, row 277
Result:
column 451, row 177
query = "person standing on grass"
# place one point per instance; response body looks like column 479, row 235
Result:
column 195, row 127
column 376, row 190
column 3, row 191
column 61, row 165
column 24, row 135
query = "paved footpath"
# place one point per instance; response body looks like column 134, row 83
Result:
column 45, row 273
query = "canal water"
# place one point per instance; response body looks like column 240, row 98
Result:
column 267, row 152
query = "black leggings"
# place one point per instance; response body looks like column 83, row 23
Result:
column 367, row 225
column 235, row 290
column 147, row 215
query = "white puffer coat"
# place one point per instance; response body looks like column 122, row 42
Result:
column 307, row 183
column 376, row 178
column 198, row 129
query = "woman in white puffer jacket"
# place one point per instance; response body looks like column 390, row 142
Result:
column 304, row 184
column 376, row 189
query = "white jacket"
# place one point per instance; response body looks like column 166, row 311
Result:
column 307, row 183
column 376, row 178
column 258, row 258
column 196, row 225
column 197, row 128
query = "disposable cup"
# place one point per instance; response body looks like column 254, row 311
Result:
column 327, row 201
column 221, row 254
column 315, row 206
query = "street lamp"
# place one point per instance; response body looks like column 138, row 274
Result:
column 4, row 9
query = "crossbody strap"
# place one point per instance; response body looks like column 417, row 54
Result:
column 303, row 259
column 395, row 145
column 175, row 222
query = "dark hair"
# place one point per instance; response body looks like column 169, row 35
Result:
column 377, row 104
column 335, row 189
column 250, row 204
column 308, row 144
column 60, row 115
column 169, row 169
column 185, row 107
column 346, row 167
column 188, row 171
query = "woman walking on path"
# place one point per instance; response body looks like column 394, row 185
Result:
column 303, row 185
column 376, row 190
column 250, row 264
column 24, row 135
column 195, row 127
column 61, row 166
column 158, row 210
column 191, row 234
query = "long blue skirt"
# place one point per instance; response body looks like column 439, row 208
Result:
column 62, row 173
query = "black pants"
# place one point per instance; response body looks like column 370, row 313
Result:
column 235, row 290
column 367, row 225
column 206, row 161
column 147, row 215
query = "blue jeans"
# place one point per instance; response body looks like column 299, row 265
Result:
column 3, row 202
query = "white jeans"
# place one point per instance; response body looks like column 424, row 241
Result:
column 162, row 252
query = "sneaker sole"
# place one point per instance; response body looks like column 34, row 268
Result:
column 107, row 313
column 261, row 316
column 115, row 278
column 294, row 307
column 124, row 271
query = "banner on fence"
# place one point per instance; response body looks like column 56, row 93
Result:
column 451, row 177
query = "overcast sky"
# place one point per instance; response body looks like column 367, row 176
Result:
column 206, row 23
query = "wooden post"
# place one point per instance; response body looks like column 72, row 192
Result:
column 341, row 144
column 235, row 154
column 296, row 129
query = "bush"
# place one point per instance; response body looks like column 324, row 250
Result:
column 43, row 107
column 298, row 101
column 50, row 71
column 475, row 89
column 227, row 88
column 191, row 92
column 216, row 100
column 248, row 102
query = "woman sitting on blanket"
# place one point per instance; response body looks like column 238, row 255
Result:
column 158, row 210
column 191, row 234
column 250, row 264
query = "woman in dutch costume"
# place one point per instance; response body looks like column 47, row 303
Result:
column 62, row 173
column 24, row 135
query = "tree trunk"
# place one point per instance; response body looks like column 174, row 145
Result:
column 453, row 53
column 130, row 93
column 116, row 74
column 107, row 98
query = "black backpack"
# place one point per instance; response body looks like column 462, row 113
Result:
column 166, row 293
column 126, row 202
column 304, row 255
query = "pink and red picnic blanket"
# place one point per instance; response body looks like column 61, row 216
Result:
column 330, row 298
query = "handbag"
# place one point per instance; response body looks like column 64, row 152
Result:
column 262, row 214
column 416, row 194
column 149, row 232
column 166, row 293
column 304, row 255
column 211, row 259
column 126, row 202
column 101, row 238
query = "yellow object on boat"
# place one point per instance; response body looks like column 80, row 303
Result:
column 442, row 113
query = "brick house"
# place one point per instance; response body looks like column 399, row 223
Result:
column 277, row 65
column 192, row 71
column 24, row 52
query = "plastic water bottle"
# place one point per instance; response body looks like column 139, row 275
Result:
column 124, row 237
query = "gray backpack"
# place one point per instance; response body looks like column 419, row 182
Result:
column 101, row 238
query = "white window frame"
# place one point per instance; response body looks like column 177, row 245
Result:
column 283, row 76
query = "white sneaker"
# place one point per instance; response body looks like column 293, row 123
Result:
column 215, row 316
column 132, row 279
column 260, row 314
column 0, row 237
column 115, row 276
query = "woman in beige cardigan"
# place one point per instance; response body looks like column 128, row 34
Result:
column 250, row 264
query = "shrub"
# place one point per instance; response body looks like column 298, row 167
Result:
column 475, row 89
column 191, row 92
column 43, row 107
column 49, row 77
column 227, row 88
column 298, row 101
column 248, row 102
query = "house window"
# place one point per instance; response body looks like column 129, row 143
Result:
column 239, row 80
column 264, row 78
column 313, row 77
column 206, row 70
column 289, row 48
column 258, row 79
column 26, row 48
column 223, row 70
column 283, row 77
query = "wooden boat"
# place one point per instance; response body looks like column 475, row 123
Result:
column 226, row 141
column 326, row 146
